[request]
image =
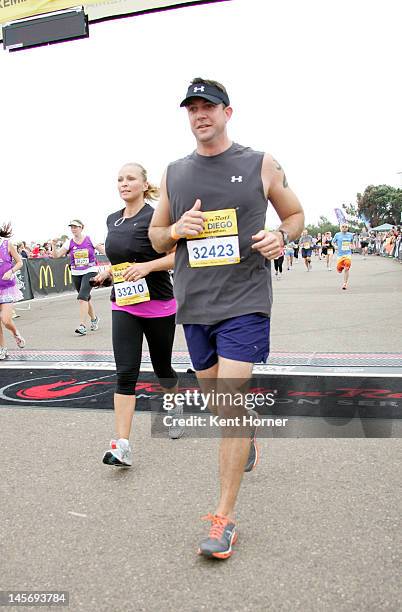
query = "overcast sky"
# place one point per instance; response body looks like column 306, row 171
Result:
column 317, row 84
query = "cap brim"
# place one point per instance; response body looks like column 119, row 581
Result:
column 212, row 99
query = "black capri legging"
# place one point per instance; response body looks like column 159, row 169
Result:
column 278, row 264
column 127, row 335
column 81, row 283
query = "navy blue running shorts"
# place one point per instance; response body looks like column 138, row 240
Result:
column 244, row 338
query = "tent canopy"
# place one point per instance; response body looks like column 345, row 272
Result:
column 383, row 228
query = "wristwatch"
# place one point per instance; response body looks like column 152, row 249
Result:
column 285, row 236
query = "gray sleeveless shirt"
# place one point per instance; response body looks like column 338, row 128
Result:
column 232, row 179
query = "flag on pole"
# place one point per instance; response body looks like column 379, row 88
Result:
column 365, row 221
column 340, row 216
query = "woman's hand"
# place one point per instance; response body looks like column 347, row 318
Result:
column 137, row 271
column 102, row 278
column 8, row 275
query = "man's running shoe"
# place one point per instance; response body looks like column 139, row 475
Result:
column 253, row 454
column 175, row 430
column 19, row 340
column 345, row 287
column 81, row 330
column 222, row 536
column 119, row 454
column 3, row 352
column 95, row 324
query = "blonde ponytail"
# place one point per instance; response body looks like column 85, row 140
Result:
column 152, row 193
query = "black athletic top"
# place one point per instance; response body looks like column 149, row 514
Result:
column 127, row 240
column 327, row 244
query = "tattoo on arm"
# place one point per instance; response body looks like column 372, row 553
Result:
column 279, row 167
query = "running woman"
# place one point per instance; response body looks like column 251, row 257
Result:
column 213, row 206
column 318, row 245
column 328, row 249
column 142, row 304
column 278, row 263
column 289, row 253
column 83, row 267
column 10, row 262
column 306, row 246
column 343, row 242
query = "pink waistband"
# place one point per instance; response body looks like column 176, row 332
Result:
column 151, row 309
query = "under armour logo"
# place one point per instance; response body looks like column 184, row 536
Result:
column 238, row 179
column 201, row 88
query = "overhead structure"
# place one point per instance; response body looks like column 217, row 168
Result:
column 17, row 11
column 384, row 227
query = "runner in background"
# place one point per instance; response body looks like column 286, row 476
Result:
column 10, row 262
column 318, row 245
column 306, row 246
column 343, row 242
column 296, row 250
column 83, row 267
column 278, row 263
column 142, row 304
column 328, row 249
column 289, row 253
column 364, row 242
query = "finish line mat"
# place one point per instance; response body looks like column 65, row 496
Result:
column 308, row 384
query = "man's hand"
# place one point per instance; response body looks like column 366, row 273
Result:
column 137, row 271
column 191, row 223
column 8, row 275
column 269, row 244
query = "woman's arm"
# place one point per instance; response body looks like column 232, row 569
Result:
column 139, row 270
column 62, row 252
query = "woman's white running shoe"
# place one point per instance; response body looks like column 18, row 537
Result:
column 19, row 340
column 119, row 453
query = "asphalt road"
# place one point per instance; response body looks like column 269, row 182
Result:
column 319, row 519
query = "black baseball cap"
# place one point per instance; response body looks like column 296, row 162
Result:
column 208, row 92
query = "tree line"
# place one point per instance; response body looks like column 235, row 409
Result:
column 378, row 203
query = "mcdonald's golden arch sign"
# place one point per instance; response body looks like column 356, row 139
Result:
column 67, row 275
column 45, row 274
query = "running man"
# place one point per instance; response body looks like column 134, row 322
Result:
column 364, row 242
column 83, row 268
column 10, row 262
column 343, row 242
column 306, row 246
column 222, row 279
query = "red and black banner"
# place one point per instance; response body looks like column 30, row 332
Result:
column 306, row 395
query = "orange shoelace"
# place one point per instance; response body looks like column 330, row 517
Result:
column 219, row 523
